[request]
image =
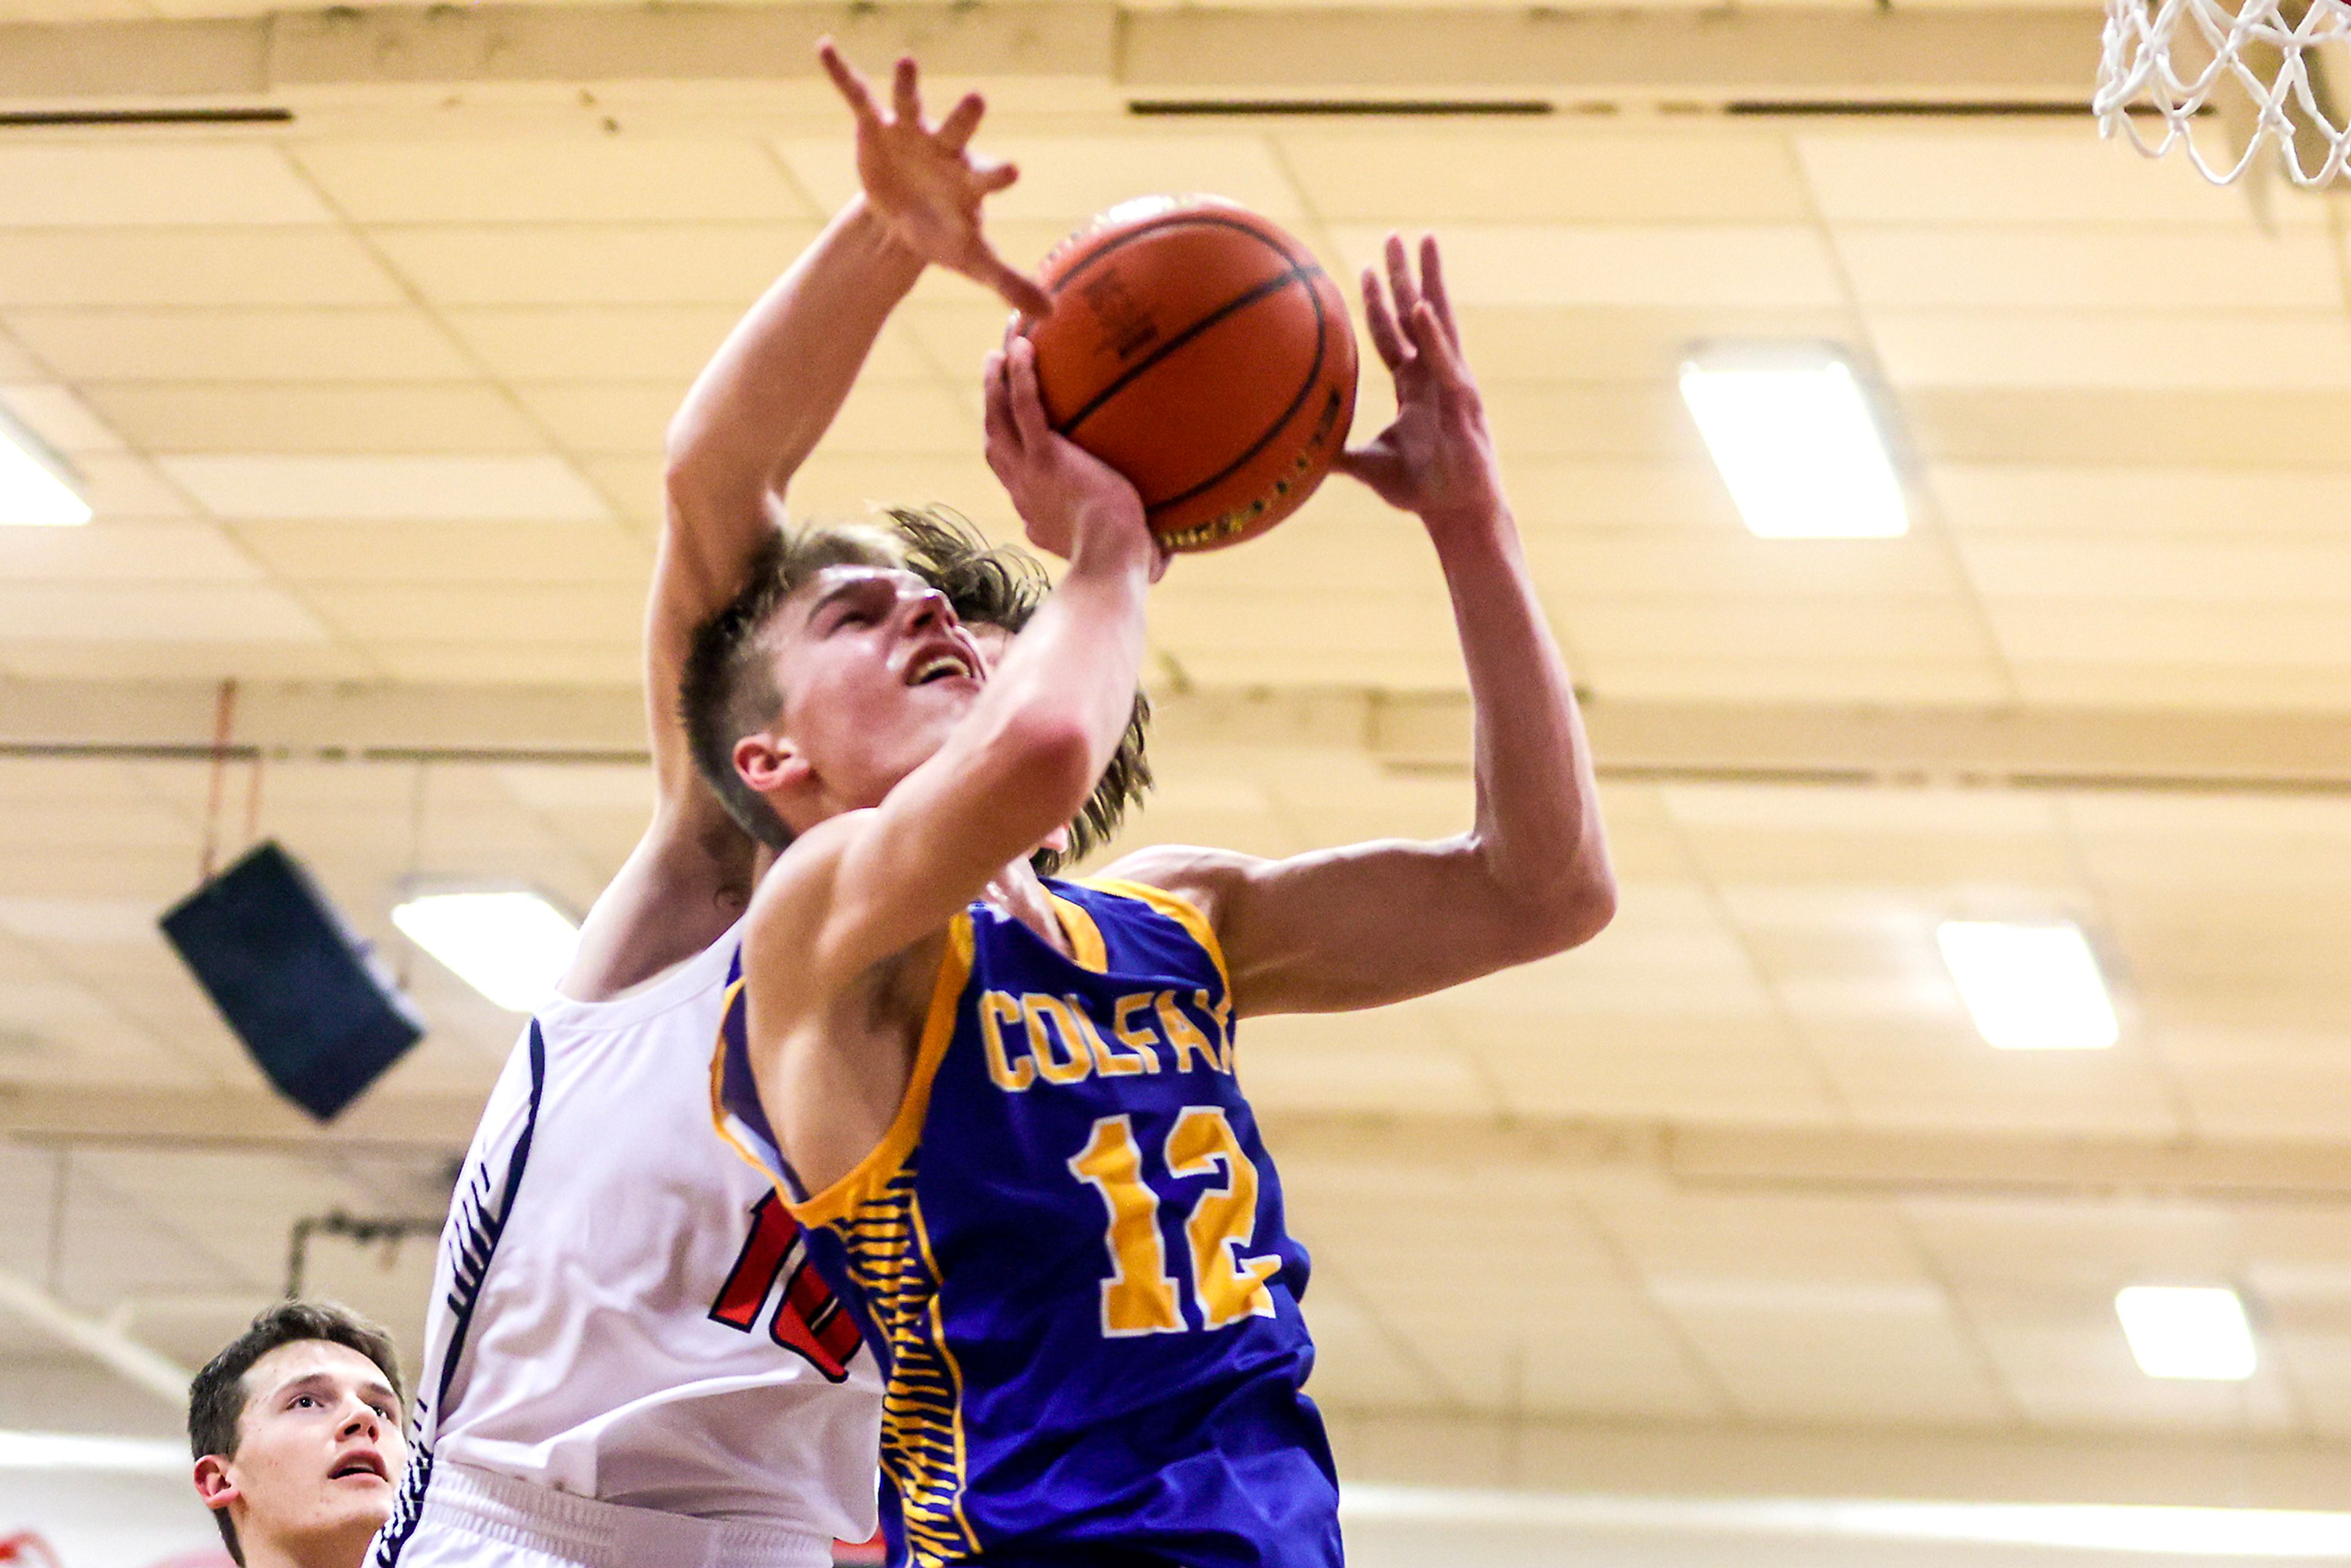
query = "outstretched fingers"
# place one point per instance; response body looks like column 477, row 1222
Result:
column 954, row 131
column 848, row 82
column 1437, row 347
column 1432, row 287
column 905, row 95
column 1016, row 287
column 1401, row 284
column 1385, row 337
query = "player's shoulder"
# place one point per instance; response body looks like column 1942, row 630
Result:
column 796, row 894
column 1204, row 878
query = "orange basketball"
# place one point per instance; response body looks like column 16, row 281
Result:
column 1200, row 351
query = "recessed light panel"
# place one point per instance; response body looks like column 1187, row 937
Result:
column 2184, row 1331
column 510, row 946
column 1796, row 443
column 2029, row 988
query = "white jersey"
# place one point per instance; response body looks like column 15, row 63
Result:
column 623, row 1311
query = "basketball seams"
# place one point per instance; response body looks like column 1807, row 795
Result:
column 1294, row 268
column 1274, row 489
column 1222, row 313
column 1313, row 375
column 1180, row 219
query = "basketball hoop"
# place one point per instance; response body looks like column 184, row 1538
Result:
column 2256, row 65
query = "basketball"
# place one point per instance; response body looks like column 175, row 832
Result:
column 1202, row 352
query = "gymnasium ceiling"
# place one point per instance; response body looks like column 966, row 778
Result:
column 370, row 403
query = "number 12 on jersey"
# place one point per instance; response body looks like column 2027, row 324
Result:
column 1139, row 1297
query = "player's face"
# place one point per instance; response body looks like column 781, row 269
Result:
column 876, row 672
column 318, row 1453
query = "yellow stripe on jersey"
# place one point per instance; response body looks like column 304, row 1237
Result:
column 719, row 1115
column 870, row 1176
column 1085, row 937
column 1177, row 907
column 889, row 1257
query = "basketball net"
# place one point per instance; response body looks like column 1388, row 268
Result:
column 2259, row 68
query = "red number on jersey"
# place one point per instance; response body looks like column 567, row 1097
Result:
column 809, row 1320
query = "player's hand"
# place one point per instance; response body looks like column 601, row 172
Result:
column 925, row 184
column 1437, row 458
column 1069, row 501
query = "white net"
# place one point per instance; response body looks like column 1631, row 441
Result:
column 2253, row 71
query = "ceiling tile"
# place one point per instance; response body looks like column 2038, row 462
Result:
column 2282, row 351
column 418, row 418
column 1065, row 180
column 190, row 266
column 1412, row 175
column 2104, row 270
column 596, row 178
column 124, row 552
column 509, row 612
column 515, row 662
column 179, row 612
column 57, row 418
column 240, row 345
column 669, row 344
column 151, row 183
column 266, row 486
column 1753, row 266
column 2118, row 425
column 472, row 555
column 2126, row 503
column 2054, row 177
column 594, row 264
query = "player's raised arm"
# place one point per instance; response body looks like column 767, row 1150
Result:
column 750, row 420
column 1382, row 921
column 860, row 884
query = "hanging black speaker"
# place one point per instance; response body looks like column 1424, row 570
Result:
column 319, row 1016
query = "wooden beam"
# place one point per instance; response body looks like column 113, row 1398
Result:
column 1693, row 57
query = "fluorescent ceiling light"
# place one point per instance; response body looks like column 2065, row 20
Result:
column 2187, row 1331
column 74, row 1451
column 2029, row 988
column 30, row 491
column 1796, row 444
column 2166, row 1530
column 510, row 946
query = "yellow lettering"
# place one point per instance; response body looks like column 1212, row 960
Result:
column 1140, row 1041
column 995, row 1009
column 1108, row 1060
column 1138, row 1298
column 1222, row 1011
column 1228, row 1285
column 1184, row 1036
column 1070, row 1065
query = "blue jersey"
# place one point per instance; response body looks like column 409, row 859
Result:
column 1069, row 1254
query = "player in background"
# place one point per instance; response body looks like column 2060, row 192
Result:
column 627, row 1361
column 294, row 1426
column 1006, row 1107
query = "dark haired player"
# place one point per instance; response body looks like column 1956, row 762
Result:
column 627, row 1362
column 1005, row 1107
column 294, row 1426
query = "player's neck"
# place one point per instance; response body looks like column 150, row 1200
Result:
column 333, row 1548
column 1020, row 892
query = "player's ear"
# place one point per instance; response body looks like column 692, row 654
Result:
column 215, row 1487
column 1058, row 840
column 770, row 762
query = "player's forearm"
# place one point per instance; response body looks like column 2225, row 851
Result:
column 1070, row 679
column 1539, row 836
column 775, row 385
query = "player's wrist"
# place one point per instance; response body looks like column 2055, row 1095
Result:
column 1108, row 534
column 873, row 225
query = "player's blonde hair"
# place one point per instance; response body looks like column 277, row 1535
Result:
column 729, row 689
